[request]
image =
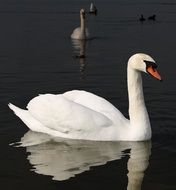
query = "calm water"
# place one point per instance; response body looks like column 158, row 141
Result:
column 37, row 56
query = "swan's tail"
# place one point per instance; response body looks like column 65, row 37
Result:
column 18, row 111
column 27, row 118
column 31, row 122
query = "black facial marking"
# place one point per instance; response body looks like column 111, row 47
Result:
column 84, row 15
column 150, row 63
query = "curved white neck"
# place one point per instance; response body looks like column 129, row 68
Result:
column 82, row 25
column 139, row 119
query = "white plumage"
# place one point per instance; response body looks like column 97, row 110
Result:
column 83, row 115
column 81, row 33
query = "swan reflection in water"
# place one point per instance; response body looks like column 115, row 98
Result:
column 80, row 54
column 64, row 158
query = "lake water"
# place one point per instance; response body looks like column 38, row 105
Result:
column 37, row 56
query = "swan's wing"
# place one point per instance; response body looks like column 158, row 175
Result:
column 96, row 103
column 64, row 115
column 76, row 33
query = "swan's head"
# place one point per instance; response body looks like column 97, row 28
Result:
column 145, row 63
column 83, row 13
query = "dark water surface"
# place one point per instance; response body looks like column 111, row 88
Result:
column 37, row 56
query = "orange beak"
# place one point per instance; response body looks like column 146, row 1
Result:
column 152, row 71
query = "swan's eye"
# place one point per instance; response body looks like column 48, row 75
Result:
column 150, row 64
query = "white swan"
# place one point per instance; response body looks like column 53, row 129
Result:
column 83, row 115
column 81, row 33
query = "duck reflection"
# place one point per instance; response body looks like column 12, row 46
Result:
column 80, row 53
column 63, row 158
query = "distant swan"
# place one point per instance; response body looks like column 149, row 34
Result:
column 81, row 33
column 83, row 115
column 93, row 9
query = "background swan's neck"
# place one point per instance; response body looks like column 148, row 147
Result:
column 82, row 26
column 139, row 119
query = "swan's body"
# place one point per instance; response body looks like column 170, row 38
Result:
column 83, row 115
column 81, row 33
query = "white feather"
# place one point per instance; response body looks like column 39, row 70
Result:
column 82, row 115
column 81, row 33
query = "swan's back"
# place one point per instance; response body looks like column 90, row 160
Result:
column 96, row 103
column 78, row 115
column 77, row 34
column 60, row 113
